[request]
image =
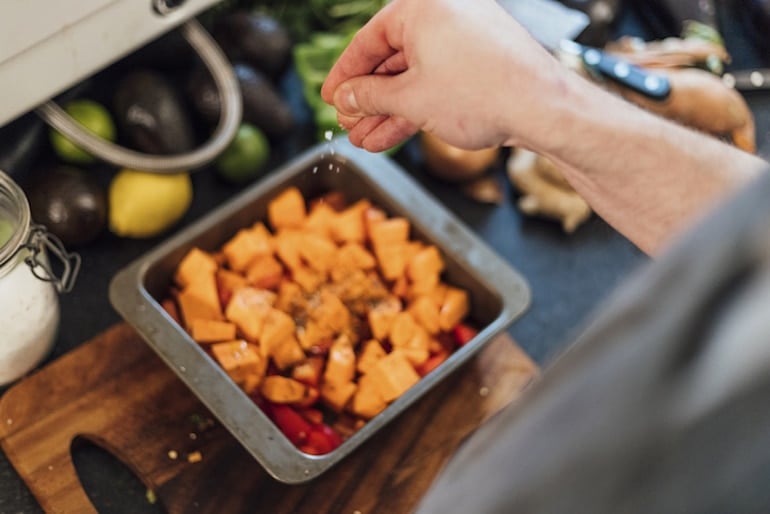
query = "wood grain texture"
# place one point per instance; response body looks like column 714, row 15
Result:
column 117, row 393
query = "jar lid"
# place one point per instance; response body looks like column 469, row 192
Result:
column 14, row 210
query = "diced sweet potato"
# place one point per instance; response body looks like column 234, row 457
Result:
column 367, row 402
column 279, row 389
column 287, row 247
column 337, row 394
column 407, row 335
column 372, row 352
column 424, row 271
column 246, row 245
column 312, row 336
column 195, row 262
column 287, row 210
column 229, row 282
column 381, row 318
column 353, row 256
column 237, row 358
column 287, row 353
column 309, row 371
column 318, row 252
column 265, row 272
column 330, row 312
column 248, row 309
column 278, row 328
column 392, row 260
column 389, row 232
column 373, row 215
column 425, row 312
column 320, row 219
column 200, row 300
column 393, row 375
column 341, row 361
column 210, row 331
column 349, row 225
column 290, row 296
column 454, row 308
column 308, row 279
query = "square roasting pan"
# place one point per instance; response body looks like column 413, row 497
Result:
column 499, row 294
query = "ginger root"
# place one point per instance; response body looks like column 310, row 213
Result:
column 544, row 190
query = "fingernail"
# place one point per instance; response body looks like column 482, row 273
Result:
column 346, row 100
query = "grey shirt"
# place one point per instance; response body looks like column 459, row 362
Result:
column 662, row 405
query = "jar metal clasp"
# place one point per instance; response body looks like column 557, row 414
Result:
column 41, row 240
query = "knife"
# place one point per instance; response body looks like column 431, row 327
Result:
column 555, row 26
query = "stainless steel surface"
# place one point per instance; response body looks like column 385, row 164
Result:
column 748, row 80
column 499, row 294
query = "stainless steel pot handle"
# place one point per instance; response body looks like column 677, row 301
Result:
column 229, row 118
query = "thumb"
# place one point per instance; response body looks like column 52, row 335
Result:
column 369, row 95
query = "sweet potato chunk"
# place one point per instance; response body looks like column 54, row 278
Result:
column 265, row 272
column 392, row 260
column 210, row 331
column 349, row 225
column 426, row 312
column 200, row 300
column 381, row 318
column 393, row 375
column 309, row 371
column 287, row 210
column 313, row 337
column 248, row 309
column 287, row 353
column 371, row 353
column 237, row 358
column 287, row 247
column 320, row 219
column 389, row 232
column 318, row 252
column 278, row 328
column 279, row 389
column 330, row 312
column 353, row 256
column 228, row 282
column 196, row 262
column 337, row 394
column 246, row 245
column 367, row 402
column 341, row 362
column 454, row 307
column 408, row 336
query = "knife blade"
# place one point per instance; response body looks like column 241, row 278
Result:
column 555, row 26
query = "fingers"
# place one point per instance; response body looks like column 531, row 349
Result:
column 380, row 135
column 371, row 95
column 374, row 44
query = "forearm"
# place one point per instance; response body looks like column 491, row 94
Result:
column 647, row 177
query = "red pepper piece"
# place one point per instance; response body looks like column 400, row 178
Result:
column 432, row 363
column 463, row 333
column 291, row 423
column 323, row 439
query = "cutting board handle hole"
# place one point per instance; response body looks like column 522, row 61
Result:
column 96, row 465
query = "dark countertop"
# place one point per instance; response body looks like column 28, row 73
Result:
column 570, row 277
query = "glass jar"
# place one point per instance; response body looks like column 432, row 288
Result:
column 29, row 304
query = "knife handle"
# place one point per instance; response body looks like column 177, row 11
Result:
column 651, row 85
column 748, row 80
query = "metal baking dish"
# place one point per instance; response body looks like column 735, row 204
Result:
column 499, row 294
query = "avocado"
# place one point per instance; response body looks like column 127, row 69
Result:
column 70, row 203
column 150, row 114
column 263, row 106
column 254, row 38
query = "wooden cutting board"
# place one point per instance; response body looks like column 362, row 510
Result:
column 117, row 393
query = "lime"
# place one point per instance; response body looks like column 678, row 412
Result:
column 144, row 204
column 245, row 157
column 93, row 117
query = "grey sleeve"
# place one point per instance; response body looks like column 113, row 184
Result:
column 662, row 405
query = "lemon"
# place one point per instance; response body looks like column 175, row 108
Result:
column 144, row 204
